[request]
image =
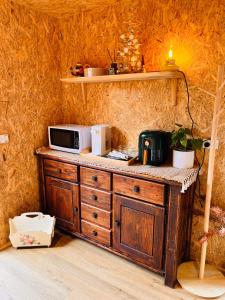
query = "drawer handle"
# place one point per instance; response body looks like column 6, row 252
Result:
column 136, row 189
column 75, row 210
column 94, row 197
column 94, row 178
column 94, row 233
column 95, row 215
column 117, row 222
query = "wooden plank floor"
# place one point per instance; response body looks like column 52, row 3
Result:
column 75, row 269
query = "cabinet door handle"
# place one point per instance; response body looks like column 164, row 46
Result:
column 94, row 178
column 94, row 197
column 94, row 233
column 117, row 222
column 136, row 189
column 95, row 215
column 75, row 210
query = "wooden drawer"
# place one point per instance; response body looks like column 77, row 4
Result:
column 96, row 233
column 96, row 178
column 137, row 188
column 96, row 215
column 95, row 197
column 60, row 170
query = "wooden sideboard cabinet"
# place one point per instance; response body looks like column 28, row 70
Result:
column 146, row 220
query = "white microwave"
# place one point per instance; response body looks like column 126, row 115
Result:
column 69, row 137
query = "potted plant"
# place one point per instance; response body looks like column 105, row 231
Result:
column 184, row 146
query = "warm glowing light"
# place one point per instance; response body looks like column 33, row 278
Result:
column 170, row 53
column 170, row 62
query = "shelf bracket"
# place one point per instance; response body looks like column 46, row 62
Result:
column 174, row 91
column 84, row 93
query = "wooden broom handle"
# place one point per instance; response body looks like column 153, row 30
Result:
column 212, row 154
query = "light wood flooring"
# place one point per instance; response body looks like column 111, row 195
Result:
column 75, row 269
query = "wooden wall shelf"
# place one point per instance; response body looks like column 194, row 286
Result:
column 171, row 75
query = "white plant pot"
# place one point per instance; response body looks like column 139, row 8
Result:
column 183, row 159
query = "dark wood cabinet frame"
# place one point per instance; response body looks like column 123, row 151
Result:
column 172, row 221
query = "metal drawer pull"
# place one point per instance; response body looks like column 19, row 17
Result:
column 94, row 197
column 95, row 215
column 94, row 233
column 94, row 178
column 75, row 210
column 136, row 189
column 117, row 222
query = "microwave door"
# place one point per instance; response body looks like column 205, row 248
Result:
column 64, row 138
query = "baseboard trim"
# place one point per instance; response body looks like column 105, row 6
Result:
column 5, row 246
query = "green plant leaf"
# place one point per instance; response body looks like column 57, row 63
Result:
column 196, row 144
column 184, row 142
column 182, row 139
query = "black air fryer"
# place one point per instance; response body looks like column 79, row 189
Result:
column 153, row 147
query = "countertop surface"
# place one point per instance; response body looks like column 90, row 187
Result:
column 182, row 177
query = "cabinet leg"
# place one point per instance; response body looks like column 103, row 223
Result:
column 171, row 265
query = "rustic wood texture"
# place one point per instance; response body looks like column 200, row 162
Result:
column 177, row 241
column 138, row 230
column 96, row 215
column 95, row 197
column 29, row 101
column 62, row 201
column 195, row 29
column 126, row 77
column 140, row 189
column 95, row 232
column 60, row 170
column 140, row 239
column 138, row 227
column 96, row 178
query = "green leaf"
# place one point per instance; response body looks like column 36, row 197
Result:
column 196, row 144
column 183, row 142
column 182, row 139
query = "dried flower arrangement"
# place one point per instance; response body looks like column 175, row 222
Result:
column 129, row 56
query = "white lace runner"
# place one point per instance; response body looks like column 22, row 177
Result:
column 184, row 176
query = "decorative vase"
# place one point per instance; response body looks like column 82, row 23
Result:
column 183, row 159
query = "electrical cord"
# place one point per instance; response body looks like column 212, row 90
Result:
column 192, row 126
column 188, row 102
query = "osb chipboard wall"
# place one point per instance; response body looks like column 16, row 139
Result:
column 31, row 94
column 29, row 101
column 196, row 31
column 62, row 8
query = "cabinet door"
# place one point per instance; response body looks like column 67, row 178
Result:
column 62, row 201
column 138, row 231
